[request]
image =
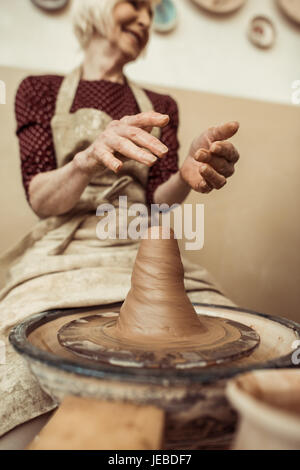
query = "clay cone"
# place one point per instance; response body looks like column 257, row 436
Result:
column 157, row 305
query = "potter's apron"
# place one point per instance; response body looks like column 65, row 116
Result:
column 62, row 264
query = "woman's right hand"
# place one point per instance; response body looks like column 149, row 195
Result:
column 128, row 137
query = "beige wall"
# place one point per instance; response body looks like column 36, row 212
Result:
column 252, row 226
column 16, row 216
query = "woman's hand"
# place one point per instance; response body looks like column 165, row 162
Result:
column 130, row 138
column 211, row 159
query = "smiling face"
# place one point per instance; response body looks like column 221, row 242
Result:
column 132, row 27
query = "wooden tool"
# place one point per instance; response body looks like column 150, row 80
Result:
column 89, row 424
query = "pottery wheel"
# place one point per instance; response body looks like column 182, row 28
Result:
column 94, row 337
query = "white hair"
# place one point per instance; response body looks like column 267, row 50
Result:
column 90, row 16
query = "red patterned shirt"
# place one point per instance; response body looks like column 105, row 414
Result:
column 35, row 106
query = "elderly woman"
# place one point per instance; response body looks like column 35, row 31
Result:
column 86, row 139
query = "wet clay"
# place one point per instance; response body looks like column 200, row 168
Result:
column 157, row 305
column 157, row 326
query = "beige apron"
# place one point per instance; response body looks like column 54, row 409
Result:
column 62, row 264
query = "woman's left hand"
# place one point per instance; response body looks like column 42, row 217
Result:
column 211, row 159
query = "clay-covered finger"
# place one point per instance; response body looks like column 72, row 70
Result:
column 226, row 150
column 148, row 119
column 211, row 176
column 205, row 187
column 222, row 166
column 130, row 150
column 144, row 140
column 224, row 131
column 202, row 155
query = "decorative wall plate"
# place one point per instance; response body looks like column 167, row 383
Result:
column 220, row 6
column 261, row 32
column 166, row 16
column 50, row 5
column 291, row 8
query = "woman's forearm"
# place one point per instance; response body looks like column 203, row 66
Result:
column 56, row 192
column 173, row 191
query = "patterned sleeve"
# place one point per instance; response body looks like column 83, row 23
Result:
column 34, row 108
column 167, row 166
